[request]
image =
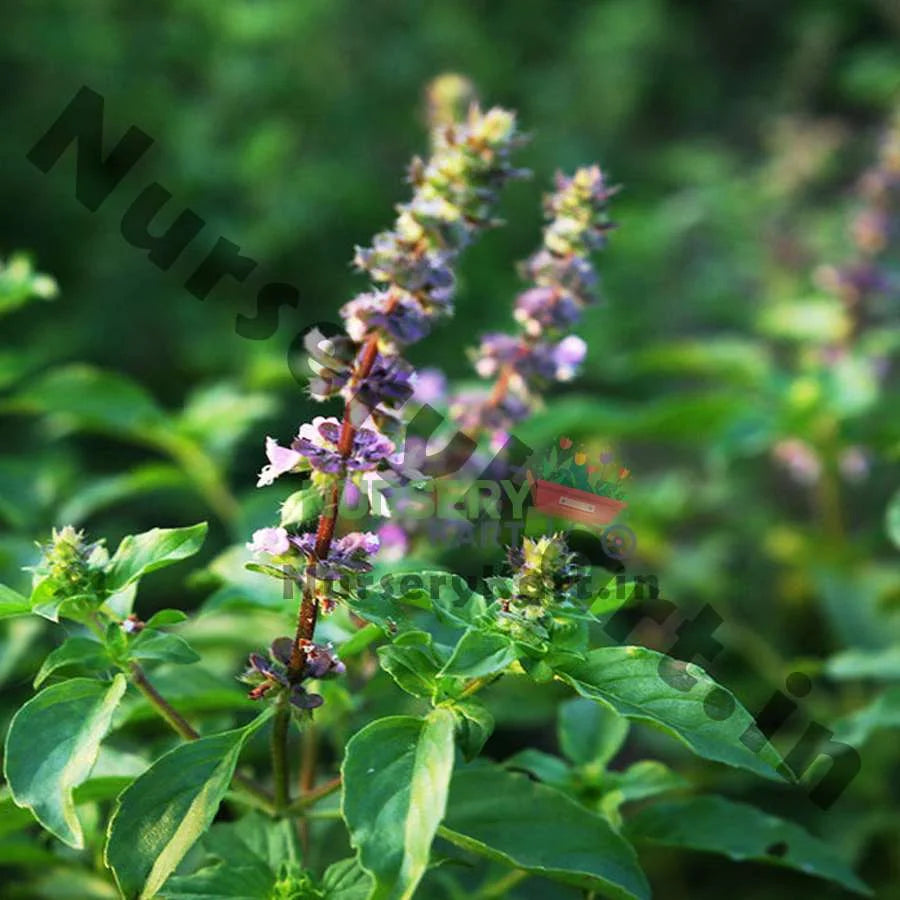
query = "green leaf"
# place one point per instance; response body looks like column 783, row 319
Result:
column 12, row 603
column 165, row 617
column 880, row 665
column 511, row 819
column 396, row 772
column 158, row 645
column 740, row 832
column 82, row 396
column 160, row 816
column 480, row 653
column 52, row 743
column 74, row 651
column 412, row 662
column 544, row 766
column 301, row 506
column 589, row 732
column 703, row 715
column 346, row 880
column 644, row 779
column 859, row 726
column 139, row 554
column 250, row 854
column 224, row 882
column 474, row 726
column 104, row 492
column 892, row 519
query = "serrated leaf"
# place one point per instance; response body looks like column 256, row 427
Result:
column 480, row 653
column 396, row 772
column 51, row 746
column 740, row 832
column 160, row 816
column 628, row 680
column 511, row 819
column 589, row 732
column 74, row 651
column 139, row 554
column 12, row 603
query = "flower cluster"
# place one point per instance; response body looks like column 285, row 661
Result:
column 70, row 567
column 411, row 267
column 564, row 282
column 545, row 578
column 412, row 264
column 864, row 280
column 271, row 676
column 348, row 554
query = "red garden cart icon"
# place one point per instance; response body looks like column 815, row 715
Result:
column 565, row 484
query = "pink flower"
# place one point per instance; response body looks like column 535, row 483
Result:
column 281, row 460
column 273, row 541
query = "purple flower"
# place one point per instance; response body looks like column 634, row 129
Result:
column 542, row 309
column 409, row 265
column 273, row 541
column 330, row 359
column 429, row 386
column 473, row 411
column 351, row 553
column 270, row 674
column 393, row 542
column 281, row 460
column 497, row 350
column 318, row 442
column 387, row 386
column 574, row 274
column 568, row 355
column 406, row 323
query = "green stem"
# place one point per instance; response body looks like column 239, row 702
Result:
column 280, row 774
column 183, row 728
column 476, row 684
column 502, row 885
column 302, row 804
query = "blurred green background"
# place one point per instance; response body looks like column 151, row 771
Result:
column 737, row 130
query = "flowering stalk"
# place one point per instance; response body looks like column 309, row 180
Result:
column 564, row 282
column 411, row 267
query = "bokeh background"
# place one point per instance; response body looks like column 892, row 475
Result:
column 753, row 402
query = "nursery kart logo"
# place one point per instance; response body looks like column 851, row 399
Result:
column 567, row 483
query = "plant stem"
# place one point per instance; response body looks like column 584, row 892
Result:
column 476, row 684
column 301, row 804
column 183, row 728
column 178, row 723
column 280, row 772
column 502, row 885
column 309, row 604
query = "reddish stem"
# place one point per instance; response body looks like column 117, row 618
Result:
column 309, row 604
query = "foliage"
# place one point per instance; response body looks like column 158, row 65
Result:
column 546, row 730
